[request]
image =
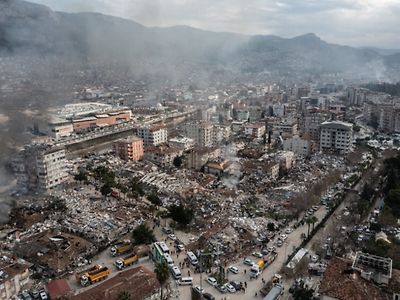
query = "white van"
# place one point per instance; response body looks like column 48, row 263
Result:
column 192, row 258
column 169, row 260
column 176, row 272
column 185, row 281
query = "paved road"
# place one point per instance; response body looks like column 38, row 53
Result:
column 184, row 292
column 294, row 239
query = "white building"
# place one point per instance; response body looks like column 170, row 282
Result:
column 55, row 127
column 201, row 132
column 336, row 136
column 256, row 130
column 153, row 135
column 51, row 168
column 300, row 146
column 182, row 143
column 221, row 133
column 162, row 155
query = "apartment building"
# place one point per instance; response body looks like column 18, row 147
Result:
column 182, row 143
column 153, row 135
column 51, row 168
column 162, row 156
column 336, row 136
column 199, row 156
column 311, row 121
column 256, row 130
column 130, row 148
column 299, row 145
column 201, row 132
column 13, row 278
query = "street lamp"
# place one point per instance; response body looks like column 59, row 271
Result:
column 201, row 271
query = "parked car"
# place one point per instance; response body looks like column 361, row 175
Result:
column 25, row 295
column 288, row 230
column 35, row 294
column 43, row 295
column 212, row 281
column 198, row 288
column 314, row 258
column 257, row 254
column 248, row 261
column 230, row 288
column 208, row 296
column 167, row 230
column 233, row 269
column 222, row 288
column 236, row 285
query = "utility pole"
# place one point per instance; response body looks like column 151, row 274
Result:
column 201, row 271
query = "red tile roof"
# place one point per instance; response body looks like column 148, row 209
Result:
column 57, row 288
column 139, row 282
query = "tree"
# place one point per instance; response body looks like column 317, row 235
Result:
column 308, row 221
column 153, row 198
column 313, row 220
column 81, row 176
column 180, row 214
column 178, row 161
column 105, row 175
column 271, row 226
column 143, row 235
column 367, row 192
column 162, row 274
column 393, row 201
column 303, row 294
column 124, row 296
column 136, row 188
column 106, row 189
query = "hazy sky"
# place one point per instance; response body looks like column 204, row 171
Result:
column 350, row 22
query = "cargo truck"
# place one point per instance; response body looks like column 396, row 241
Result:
column 91, row 269
column 94, row 276
column 258, row 267
column 276, row 279
column 121, row 248
column 269, row 258
column 275, row 293
column 126, row 261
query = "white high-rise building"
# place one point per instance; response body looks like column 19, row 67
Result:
column 201, row 132
column 153, row 135
column 51, row 168
column 336, row 136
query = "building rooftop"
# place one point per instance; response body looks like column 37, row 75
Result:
column 341, row 282
column 57, row 288
column 9, row 271
column 255, row 125
column 139, row 282
column 129, row 139
column 337, row 125
column 162, row 149
column 365, row 262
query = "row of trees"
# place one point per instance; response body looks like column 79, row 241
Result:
column 392, row 188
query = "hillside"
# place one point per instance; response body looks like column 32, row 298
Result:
column 35, row 30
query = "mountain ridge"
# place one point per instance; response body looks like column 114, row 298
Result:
column 32, row 29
